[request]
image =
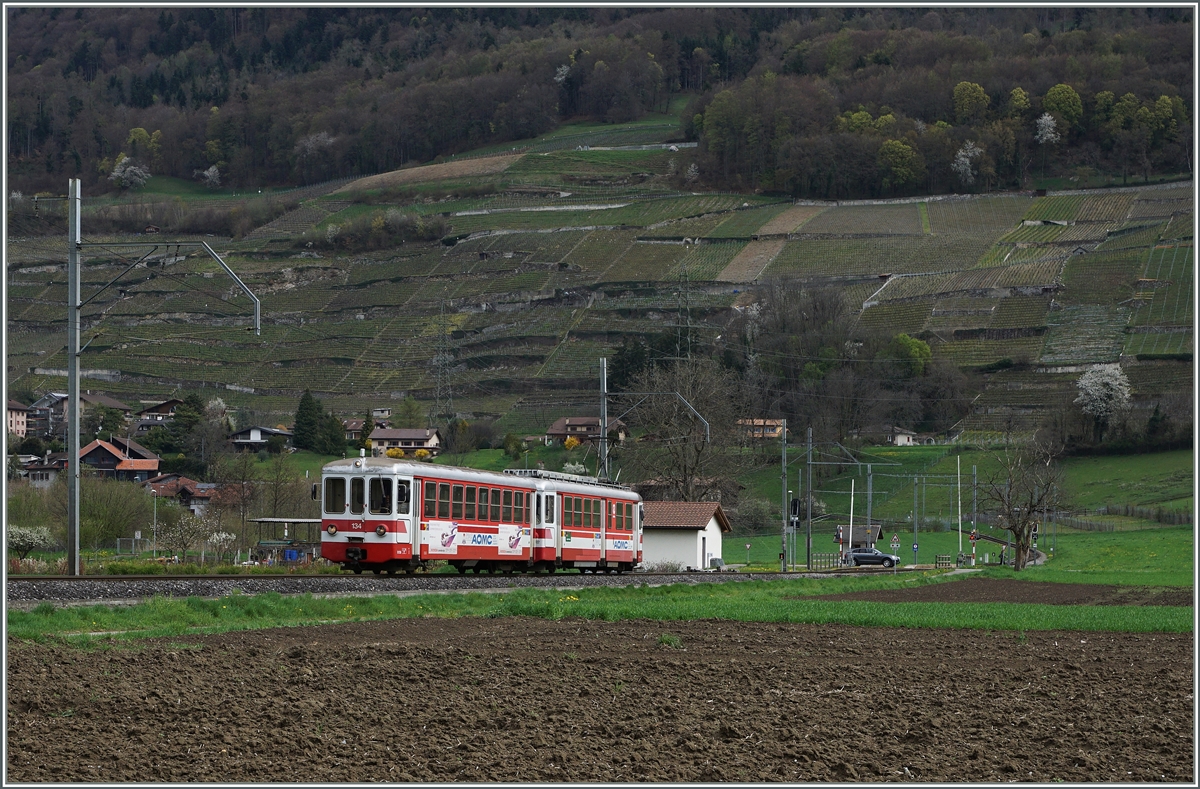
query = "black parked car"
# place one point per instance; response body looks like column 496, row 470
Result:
column 861, row 556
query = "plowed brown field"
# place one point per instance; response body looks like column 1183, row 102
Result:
column 532, row 700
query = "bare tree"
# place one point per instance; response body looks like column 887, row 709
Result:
column 240, row 483
column 676, row 451
column 1021, row 489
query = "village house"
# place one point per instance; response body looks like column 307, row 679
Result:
column 42, row 473
column 18, row 418
column 584, row 428
column 188, row 493
column 407, row 439
column 159, row 414
column 120, row 463
column 354, row 427
column 255, row 438
column 888, row 434
column 687, row 533
column 761, row 429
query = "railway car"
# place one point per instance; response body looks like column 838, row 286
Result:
column 387, row 515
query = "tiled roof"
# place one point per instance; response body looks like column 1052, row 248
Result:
column 683, row 515
column 105, row 400
column 420, row 433
column 13, row 405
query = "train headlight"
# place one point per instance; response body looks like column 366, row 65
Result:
column 331, row 529
column 381, row 530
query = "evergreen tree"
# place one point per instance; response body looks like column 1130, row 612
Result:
column 308, row 422
column 331, row 436
column 368, row 428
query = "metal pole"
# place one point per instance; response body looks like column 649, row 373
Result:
column 808, row 538
column 959, row 480
column 869, row 532
column 784, row 492
column 850, row 540
column 914, row 516
column 74, row 198
column 604, row 419
column 974, row 498
column 155, row 492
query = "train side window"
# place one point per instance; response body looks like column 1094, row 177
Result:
column 444, row 500
column 483, row 504
column 402, row 498
column 596, row 512
column 567, row 519
column 381, row 496
column 456, row 510
column 335, row 495
column 357, row 495
column 507, row 515
column 469, row 513
column 430, row 499
column 495, row 517
column 580, row 519
column 549, row 508
column 519, row 507
column 628, row 517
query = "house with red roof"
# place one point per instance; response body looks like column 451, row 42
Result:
column 686, row 533
column 120, row 463
column 190, row 494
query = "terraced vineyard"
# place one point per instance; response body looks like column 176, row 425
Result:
column 552, row 260
column 1090, row 334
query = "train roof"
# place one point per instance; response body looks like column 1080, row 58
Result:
column 530, row 478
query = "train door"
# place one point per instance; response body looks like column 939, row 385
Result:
column 545, row 531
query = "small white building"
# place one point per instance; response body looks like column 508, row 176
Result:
column 687, row 533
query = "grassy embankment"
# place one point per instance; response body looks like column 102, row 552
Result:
column 1095, row 558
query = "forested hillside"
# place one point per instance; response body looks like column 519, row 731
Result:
column 827, row 103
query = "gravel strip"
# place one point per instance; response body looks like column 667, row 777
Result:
column 24, row 594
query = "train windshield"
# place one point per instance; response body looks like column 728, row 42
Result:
column 335, row 495
column 381, row 495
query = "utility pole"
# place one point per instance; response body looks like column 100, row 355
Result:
column 443, row 400
column 809, row 491
column 604, row 419
column 74, row 200
column 869, row 532
column 75, row 305
column 783, row 485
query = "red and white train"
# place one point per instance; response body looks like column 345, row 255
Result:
column 387, row 515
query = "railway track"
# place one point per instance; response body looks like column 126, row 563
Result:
column 126, row 589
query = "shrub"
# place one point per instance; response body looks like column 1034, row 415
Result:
column 396, row 452
column 377, row 230
column 570, row 443
column 422, row 454
column 664, row 567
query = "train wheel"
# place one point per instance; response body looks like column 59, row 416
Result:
column 391, row 571
column 410, row 570
column 358, row 571
column 462, row 570
column 376, row 570
column 550, row 569
column 476, row 569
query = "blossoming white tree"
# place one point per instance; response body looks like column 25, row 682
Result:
column 128, row 173
column 1103, row 392
column 964, row 162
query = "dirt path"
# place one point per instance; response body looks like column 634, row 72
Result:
column 790, row 220
column 532, row 700
column 434, row 172
column 750, row 262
